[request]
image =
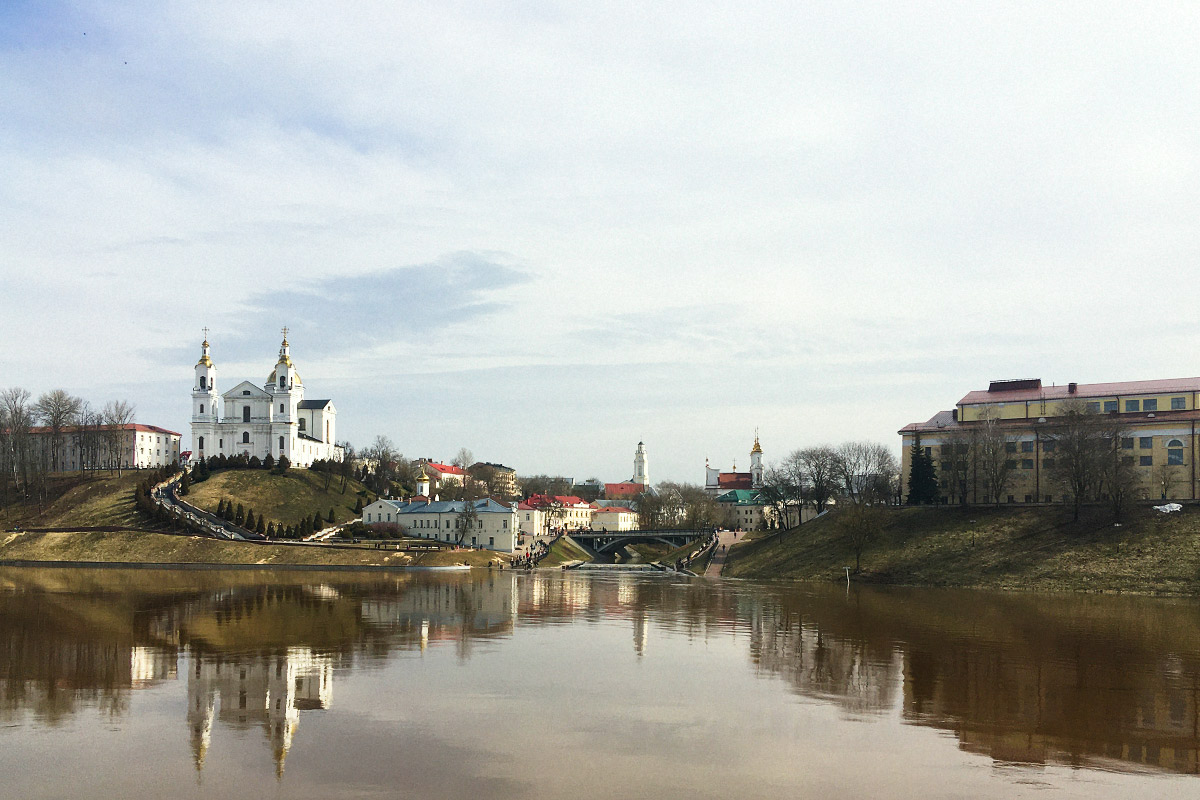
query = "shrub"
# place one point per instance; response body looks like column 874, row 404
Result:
column 269, row 462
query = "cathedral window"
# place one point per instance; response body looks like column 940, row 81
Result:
column 245, row 437
column 282, row 381
column 281, row 408
column 302, row 424
column 246, row 414
column 201, row 442
column 280, row 442
column 202, row 408
column 202, row 380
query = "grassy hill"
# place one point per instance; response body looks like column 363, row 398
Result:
column 76, row 500
column 1005, row 548
column 282, row 498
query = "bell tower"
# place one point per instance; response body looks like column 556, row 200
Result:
column 641, row 469
column 756, row 465
column 204, row 404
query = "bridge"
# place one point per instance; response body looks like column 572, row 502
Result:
column 608, row 541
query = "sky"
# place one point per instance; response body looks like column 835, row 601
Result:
column 547, row 231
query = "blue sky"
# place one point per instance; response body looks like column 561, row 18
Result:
column 546, row 231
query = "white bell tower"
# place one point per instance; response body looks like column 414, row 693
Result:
column 204, row 404
column 756, row 465
column 641, row 469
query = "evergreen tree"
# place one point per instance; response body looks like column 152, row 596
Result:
column 282, row 465
column 254, row 463
column 240, row 515
column 250, row 520
column 922, row 480
column 358, row 509
column 317, row 522
column 184, row 483
column 270, row 531
column 269, row 462
column 329, row 517
column 221, row 509
column 260, row 528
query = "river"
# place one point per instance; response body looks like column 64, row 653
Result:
column 212, row 683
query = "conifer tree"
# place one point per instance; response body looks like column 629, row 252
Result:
column 250, row 520
column 270, row 531
column 329, row 517
column 240, row 515
column 922, row 480
column 260, row 528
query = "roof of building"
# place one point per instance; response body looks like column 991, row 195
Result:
column 132, row 426
column 623, row 489
column 313, row 404
column 493, row 466
column 740, row 497
column 615, row 510
column 419, row 505
column 945, row 422
column 304, row 435
column 542, row 500
column 444, row 468
column 735, row 480
column 1022, row 390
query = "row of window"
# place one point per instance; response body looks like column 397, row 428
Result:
column 1132, row 406
column 433, row 523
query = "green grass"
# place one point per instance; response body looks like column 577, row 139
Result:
column 81, row 500
column 282, row 498
column 1014, row 548
column 562, row 551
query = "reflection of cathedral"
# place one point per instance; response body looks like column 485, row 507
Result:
column 267, row 691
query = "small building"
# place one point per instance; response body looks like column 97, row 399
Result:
column 442, row 474
column 501, row 480
column 132, row 446
column 717, row 482
column 496, row 525
column 563, row 512
column 532, row 520
column 615, row 518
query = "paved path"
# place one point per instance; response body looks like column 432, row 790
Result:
column 726, row 538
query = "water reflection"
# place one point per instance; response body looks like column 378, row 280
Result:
column 1096, row 682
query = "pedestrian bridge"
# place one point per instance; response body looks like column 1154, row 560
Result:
column 608, row 541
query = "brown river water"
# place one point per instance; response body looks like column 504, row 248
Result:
column 148, row 684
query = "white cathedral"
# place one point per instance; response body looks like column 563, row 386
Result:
column 273, row 419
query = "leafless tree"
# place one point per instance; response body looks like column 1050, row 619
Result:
column 996, row 458
column 57, row 409
column 1087, row 453
column 117, row 416
column 1164, row 479
column 819, row 466
column 860, row 524
column 464, row 458
column 18, row 419
column 866, row 471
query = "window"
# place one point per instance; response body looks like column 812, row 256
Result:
column 1047, row 463
column 1178, row 403
column 1127, row 460
column 1048, row 447
column 1028, row 498
column 1093, row 408
column 281, row 408
column 201, row 443
column 1145, row 442
column 282, row 381
column 246, row 414
column 945, row 465
column 1010, row 499
column 1027, row 463
column 1146, row 461
column 220, row 444
column 1127, row 443
column 245, row 437
column 1010, row 464
column 1131, row 405
column 961, row 449
column 929, row 452
column 1175, row 452
column 1111, row 405
column 280, row 442
column 1026, row 447
column 1150, row 405
column 202, row 408
column 302, row 424
column 202, row 382
column 491, row 540
column 245, row 391
column 1010, row 447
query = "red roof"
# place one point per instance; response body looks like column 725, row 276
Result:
column 542, row 500
column 624, row 489
column 735, row 480
column 1162, row 386
column 133, row 426
column 444, row 468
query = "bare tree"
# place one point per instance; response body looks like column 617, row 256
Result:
column 820, row 468
column 860, row 524
column 18, row 418
column 464, row 458
column 866, row 471
column 466, row 520
column 117, row 416
column 997, row 459
column 57, row 409
column 1164, row 478
column 1084, row 447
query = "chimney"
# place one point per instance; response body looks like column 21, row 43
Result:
column 1071, row 387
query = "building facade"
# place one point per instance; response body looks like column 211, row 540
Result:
column 496, row 525
column 269, row 420
column 132, row 446
column 1159, row 419
column 717, row 482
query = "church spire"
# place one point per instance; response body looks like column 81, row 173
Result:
column 204, row 361
column 285, row 350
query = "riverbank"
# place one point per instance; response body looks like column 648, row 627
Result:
column 141, row 547
column 1012, row 548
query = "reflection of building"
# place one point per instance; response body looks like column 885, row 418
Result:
column 267, row 690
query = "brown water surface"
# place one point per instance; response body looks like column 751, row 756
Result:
column 146, row 684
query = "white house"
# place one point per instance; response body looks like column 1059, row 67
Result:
column 615, row 518
column 103, row 446
column 496, row 525
column 273, row 419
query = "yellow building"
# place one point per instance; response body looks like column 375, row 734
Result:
column 1160, row 418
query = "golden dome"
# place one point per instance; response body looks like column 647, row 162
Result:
column 757, row 447
column 423, row 476
column 204, row 361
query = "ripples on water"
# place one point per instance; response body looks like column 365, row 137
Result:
column 227, row 683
